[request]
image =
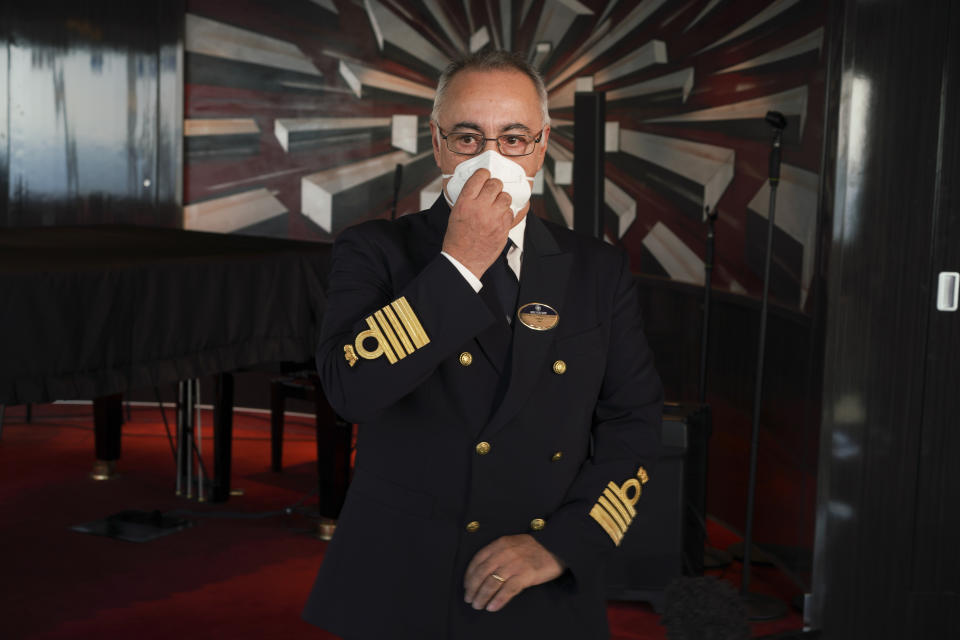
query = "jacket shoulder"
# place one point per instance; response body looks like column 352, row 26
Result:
column 382, row 228
column 582, row 244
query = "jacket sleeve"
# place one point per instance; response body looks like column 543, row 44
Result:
column 378, row 343
column 605, row 500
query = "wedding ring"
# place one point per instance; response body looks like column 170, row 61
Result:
column 499, row 579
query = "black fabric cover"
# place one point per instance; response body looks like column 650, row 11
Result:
column 91, row 311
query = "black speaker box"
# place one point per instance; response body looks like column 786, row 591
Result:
column 667, row 537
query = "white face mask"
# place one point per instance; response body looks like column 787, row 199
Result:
column 512, row 175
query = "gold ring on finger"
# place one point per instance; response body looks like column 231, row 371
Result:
column 499, row 579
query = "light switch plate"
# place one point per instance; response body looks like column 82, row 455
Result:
column 948, row 291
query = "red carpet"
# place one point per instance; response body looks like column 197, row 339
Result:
column 242, row 572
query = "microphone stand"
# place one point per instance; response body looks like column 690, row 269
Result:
column 711, row 218
column 761, row 607
column 713, row 558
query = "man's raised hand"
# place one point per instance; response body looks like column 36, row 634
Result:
column 479, row 223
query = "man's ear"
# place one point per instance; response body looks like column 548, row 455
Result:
column 542, row 147
column 435, row 141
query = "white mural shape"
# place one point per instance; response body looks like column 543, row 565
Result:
column 708, row 169
column 653, row 52
column 792, row 102
column 233, row 212
column 773, row 10
column 337, row 197
column 287, row 130
column 358, row 76
column 813, row 41
column 403, row 133
column 390, row 28
column 679, row 81
column 560, row 163
column 211, row 38
column 624, row 207
column 603, row 38
column 676, row 258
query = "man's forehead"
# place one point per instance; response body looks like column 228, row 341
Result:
column 508, row 97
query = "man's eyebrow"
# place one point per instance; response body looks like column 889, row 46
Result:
column 516, row 125
column 508, row 127
column 467, row 125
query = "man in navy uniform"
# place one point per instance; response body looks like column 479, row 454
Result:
column 508, row 405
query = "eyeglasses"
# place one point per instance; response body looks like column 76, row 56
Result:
column 468, row 143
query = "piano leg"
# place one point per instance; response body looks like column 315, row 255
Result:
column 277, row 404
column 222, row 437
column 107, row 422
column 187, row 398
column 333, row 463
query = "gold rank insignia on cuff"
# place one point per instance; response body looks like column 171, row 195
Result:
column 614, row 508
column 396, row 330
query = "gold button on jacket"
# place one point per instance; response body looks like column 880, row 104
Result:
column 466, row 359
column 537, row 524
column 483, row 448
column 472, row 526
column 557, row 456
column 559, row 367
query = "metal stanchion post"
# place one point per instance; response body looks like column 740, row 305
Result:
column 179, row 456
column 188, row 439
column 200, row 473
column 713, row 558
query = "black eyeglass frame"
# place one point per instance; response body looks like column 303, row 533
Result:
column 484, row 140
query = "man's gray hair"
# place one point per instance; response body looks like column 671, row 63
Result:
column 490, row 60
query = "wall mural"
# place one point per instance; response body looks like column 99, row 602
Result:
column 305, row 117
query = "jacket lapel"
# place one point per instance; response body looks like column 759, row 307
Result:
column 543, row 278
column 427, row 246
column 494, row 341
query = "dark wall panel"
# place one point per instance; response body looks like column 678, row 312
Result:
column 884, row 409
column 937, row 526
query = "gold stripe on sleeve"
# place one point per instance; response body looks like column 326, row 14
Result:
column 623, row 499
column 615, row 501
column 410, row 321
column 395, row 323
column 614, row 513
column 604, row 520
column 387, row 331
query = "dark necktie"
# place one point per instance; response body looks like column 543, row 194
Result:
column 502, row 283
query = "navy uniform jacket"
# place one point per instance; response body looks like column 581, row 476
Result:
column 414, row 355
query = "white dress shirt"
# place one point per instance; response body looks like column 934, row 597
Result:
column 514, row 256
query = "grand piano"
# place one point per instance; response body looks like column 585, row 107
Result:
column 91, row 312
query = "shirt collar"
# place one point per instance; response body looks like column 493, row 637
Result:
column 517, row 232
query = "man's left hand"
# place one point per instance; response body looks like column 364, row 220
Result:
column 518, row 561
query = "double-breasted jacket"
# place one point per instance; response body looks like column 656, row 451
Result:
column 472, row 429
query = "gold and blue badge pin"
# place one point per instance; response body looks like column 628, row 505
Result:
column 538, row 316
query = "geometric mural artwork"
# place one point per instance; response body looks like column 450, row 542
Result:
column 308, row 116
